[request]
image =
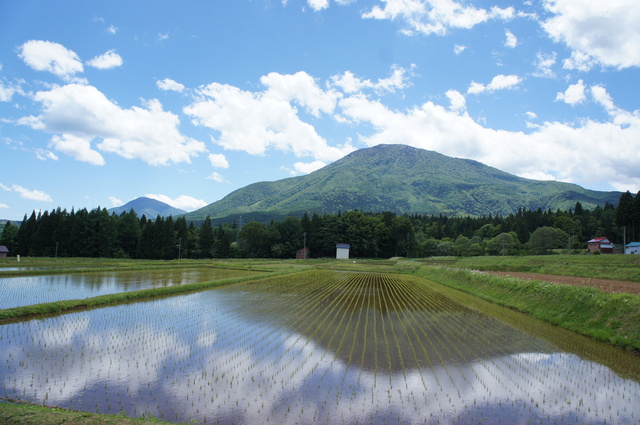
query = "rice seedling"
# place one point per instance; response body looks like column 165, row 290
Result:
column 314, row 347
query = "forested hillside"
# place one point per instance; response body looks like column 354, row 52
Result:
column 403, row 180
column 97, row 233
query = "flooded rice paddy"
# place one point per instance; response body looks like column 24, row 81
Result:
column 317, row 347
column 26, row 290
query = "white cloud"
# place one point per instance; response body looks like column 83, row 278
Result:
column 112, row 29
column 607, row 31
column 579, row 61
column 458, row 101
column 552, row 149
column 77, row 147
column 318, row 5
column 307, row 167
column 435, row 16
column 256, row 121
column 457, row 49
column 301, row 88
column 398, row 80
column 512, row 40
column 215, row 176
column 499, row 82
column 43, row 155
column 183, row 202
column 574, row 94
column 4, row 206
column 33, row 195
column 81, row 113
column 544, row 62
column 8, row 90
column 115, row 202
column 52, row 57
column 601, row 96
column 107, row 60
column 169, row 85
column 218, row 160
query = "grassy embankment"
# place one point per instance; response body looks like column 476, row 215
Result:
column 30, row 414
column 616, row 267
column 611, row 318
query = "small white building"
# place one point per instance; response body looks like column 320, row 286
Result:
column 632, row 248
column 342, row 251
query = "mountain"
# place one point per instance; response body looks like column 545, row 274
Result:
column 151, row 208
column 401, row 179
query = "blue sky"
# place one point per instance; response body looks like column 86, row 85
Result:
column 103, row 102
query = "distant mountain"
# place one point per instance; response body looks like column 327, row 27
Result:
column 151, row 208
column 401, row 179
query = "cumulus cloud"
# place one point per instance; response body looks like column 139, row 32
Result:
column 44, row 154
column 170, row 85
column 215, row 176
column 7, row 90
column 511, row 39
column 458, row 101
column 77, row 147
column 107, row 60
column 435, row 16
column 307, row 167
column 349, row 83
column 115, row 202
column 553, row 149
column 544, row 64
column 318, row 5
column 499, row 82
column 79, row 114
column 184, row 202
column 218, row 160
column 574, row 94
column 52, row 57
column 256, row 121
column 33, row 195
column 606, row 32
column 457, row 49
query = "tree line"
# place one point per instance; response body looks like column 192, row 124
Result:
column 97, row 233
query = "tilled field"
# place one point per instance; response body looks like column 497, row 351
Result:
column 613, row 286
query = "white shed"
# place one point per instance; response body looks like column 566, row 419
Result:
column 342, row 251
column 632, row 248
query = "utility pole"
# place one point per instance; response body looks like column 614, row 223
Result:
column 180, row 248
column 304, row 246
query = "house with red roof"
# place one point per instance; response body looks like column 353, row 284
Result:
column 601, row 244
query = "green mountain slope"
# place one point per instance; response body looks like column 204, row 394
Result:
column 151, row 208
column 401, row 179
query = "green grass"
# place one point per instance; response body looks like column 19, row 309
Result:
column 616, row 267
column 611, row 318
column 31, row 414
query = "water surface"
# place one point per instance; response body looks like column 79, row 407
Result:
column 26, row 290
column 325, row 348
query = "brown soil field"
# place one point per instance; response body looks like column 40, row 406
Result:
column 613, row 286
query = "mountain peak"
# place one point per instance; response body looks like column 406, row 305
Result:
column 401, row 179
column 149, row 207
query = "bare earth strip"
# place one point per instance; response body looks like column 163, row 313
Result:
column 613, row 286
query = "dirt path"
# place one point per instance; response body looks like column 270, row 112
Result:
column 614, row 286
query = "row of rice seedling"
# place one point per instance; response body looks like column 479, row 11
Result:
column 314, row 347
